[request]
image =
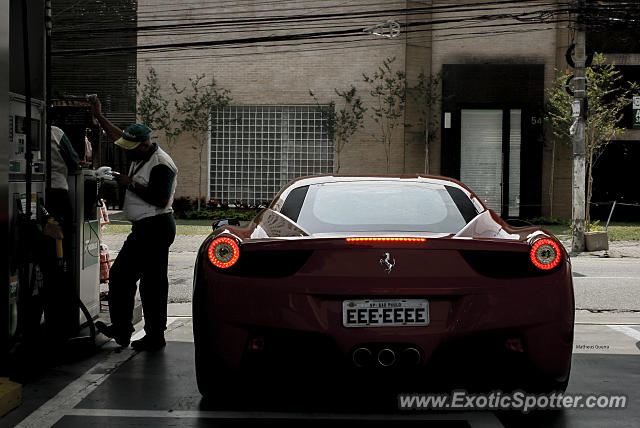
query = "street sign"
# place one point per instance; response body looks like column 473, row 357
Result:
column 636, row 112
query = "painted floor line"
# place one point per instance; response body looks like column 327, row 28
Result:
column 476, row 419
column 606, row 277
column 631, row 332
column 53, row 410
column 589, row 260
column 605, row 323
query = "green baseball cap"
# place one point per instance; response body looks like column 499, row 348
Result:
column 133, row 135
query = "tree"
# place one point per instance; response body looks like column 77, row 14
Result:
column 606, row 97
column 428, row 97
column 343, row 124
column 153, row 109
column 195, row 110
column 388, row 88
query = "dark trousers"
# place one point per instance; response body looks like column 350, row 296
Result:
column 144, row 256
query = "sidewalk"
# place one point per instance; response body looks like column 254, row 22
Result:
column 617, row 249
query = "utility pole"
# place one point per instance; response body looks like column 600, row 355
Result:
column 578, row 137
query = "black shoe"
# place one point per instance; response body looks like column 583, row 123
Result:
column 108, row 330
column 149, row 344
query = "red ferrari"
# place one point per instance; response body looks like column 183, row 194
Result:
column 402, row 277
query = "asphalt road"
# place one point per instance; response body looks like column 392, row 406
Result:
column 606, row 284
column 600, row 284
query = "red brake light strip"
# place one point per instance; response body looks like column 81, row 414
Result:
column 386, row 239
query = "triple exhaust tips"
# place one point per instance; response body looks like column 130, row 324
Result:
column 387, row 357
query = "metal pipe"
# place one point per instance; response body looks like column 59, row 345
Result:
column 386, row 357
column 4, row 184
column 362, row 357
column 47, row 98
column 28, row 155
column 410, row 357
column 610, row 214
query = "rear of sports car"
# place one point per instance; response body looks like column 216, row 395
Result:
column 407, row 304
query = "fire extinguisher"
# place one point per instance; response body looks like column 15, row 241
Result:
column 105, row 263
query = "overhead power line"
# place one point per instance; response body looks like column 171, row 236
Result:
column 347, row 26
column 302, row 36
column 457, row 8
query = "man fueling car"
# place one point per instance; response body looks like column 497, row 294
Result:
column 150, row 187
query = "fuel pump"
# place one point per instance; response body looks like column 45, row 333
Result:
column 35, row 242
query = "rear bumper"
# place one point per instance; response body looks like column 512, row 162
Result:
column 243, row 321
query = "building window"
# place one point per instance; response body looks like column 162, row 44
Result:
column 255, row 150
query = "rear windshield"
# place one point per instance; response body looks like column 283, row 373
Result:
column 379, row 206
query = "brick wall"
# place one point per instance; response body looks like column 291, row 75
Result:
column 267, row 78
column 257, row 75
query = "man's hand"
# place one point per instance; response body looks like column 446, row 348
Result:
column 112, row 131
column 96, row 107
column 123, row 180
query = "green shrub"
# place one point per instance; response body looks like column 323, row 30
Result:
column 217, row 214
column 548, row 221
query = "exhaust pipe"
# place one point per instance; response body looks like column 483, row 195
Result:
column 410, row 357
column 362, row 357
column 386, row 357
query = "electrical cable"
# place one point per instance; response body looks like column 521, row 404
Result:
column 316, row 36
column 296, row 18
column 239, row 41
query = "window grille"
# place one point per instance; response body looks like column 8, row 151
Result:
column 255, row 150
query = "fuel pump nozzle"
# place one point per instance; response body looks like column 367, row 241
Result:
column 53, row 230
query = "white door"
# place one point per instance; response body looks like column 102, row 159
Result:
column 481, row 155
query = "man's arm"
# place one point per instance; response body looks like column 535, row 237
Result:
column 113, row 132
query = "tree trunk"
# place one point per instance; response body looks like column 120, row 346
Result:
column 587, row 207
column 426, row 149
column 388, row 150
column 551, row 181
column 388, row 156
column 200, row 174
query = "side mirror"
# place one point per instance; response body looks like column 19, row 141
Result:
column 225, row 222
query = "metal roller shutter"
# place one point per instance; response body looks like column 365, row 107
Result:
column 481, row 155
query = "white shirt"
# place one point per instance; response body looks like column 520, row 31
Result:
column 135, row 208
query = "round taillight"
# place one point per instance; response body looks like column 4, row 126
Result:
column 224, row 252
column 545, row 254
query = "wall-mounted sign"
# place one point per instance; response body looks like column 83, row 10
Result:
column 447, row 120
column 636, row 112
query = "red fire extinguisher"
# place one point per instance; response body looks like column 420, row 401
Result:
column 105, row 263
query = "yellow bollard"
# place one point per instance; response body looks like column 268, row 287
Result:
column 10, row 395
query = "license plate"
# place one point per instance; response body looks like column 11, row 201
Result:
column 385, row 313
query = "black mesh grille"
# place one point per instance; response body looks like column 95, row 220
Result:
column 503, row 264
column 268, row 264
